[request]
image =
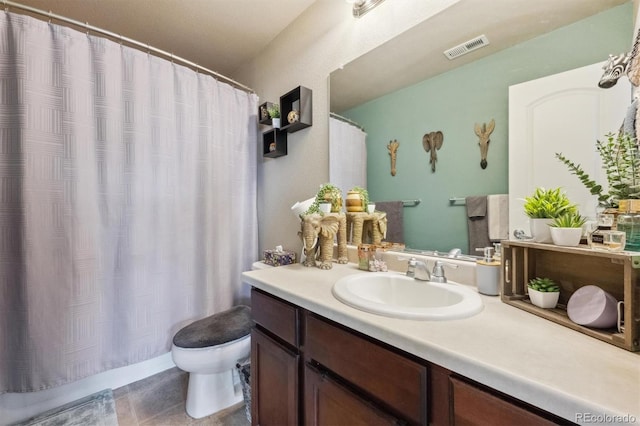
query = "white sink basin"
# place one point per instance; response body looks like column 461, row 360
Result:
column 395, row 295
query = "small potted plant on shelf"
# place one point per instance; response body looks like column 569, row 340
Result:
column 543, row 292
column 542, row 207
column 274, row 113
column 566, row 230
column 328, row 193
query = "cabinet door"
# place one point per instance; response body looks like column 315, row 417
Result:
column 274, row 382
column 475, row 406
column 329, row 403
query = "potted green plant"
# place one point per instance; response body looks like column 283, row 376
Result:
column 621, row 163
column 542, row 207
column 543, row 292
column 328, row 193
column 566, row 230
column 274, row 113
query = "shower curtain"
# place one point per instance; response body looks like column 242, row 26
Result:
column 347, row 155
column 127, row 202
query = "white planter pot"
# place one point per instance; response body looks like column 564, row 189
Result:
column 569, row 237
column 540, row 230
column 544, row 299
column 275, row 122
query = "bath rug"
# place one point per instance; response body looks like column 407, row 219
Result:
column 98, row 409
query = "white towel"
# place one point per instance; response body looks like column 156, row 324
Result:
column 498, row 216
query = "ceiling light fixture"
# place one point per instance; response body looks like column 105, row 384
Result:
column 360, row 7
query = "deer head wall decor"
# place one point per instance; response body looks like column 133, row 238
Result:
column 393, row 149
column 431, row 142
column 483, row 133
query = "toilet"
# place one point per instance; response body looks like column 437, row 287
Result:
column 208, row 349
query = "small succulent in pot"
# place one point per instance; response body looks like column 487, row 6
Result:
column 544, row 292
column 568, row 220
column 545, row 285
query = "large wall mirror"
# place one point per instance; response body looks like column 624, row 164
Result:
column 407, row 88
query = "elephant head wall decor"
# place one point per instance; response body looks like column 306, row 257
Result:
column 432, row 142
column 483, row 133
column 393, row 149
column 318, row 232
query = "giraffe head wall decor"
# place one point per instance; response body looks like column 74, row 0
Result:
column 483, row 133
column 393, row 149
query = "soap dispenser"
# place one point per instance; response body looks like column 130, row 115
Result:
column 488, row 273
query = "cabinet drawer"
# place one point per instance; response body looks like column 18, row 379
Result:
column 279, row 317
column 475, row 406
column 393, row 380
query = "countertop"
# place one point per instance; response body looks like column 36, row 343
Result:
column 557, row 369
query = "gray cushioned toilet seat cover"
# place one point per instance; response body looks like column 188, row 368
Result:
column 216, row 329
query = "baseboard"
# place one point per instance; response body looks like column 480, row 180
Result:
column 17, row 407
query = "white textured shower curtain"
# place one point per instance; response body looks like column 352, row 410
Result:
column 127, row 202
column 347, row 155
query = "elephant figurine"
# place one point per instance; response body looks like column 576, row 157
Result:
column 318, row 232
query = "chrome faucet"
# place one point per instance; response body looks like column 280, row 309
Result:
column 420, row 270
column 437, row 275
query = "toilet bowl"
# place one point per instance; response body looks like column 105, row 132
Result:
column 208, row 350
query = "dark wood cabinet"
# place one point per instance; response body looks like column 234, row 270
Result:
column 327, row 402
column 275, row 361
column 309, row 370
column 274, row 382
column 475, row 406
column 393, row 380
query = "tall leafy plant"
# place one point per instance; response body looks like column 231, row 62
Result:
column 621, row 163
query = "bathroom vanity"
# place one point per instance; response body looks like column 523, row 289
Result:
column 316, row 360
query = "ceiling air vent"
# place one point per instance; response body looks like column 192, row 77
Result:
column 467, row 46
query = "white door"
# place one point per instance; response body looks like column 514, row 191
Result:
column 564, row 113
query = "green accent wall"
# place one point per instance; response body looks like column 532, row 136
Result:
column 452, row 103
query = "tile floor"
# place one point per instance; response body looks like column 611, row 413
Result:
column 159, row 400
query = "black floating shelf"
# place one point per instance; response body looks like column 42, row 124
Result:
column 274, row 143
column 298, row 99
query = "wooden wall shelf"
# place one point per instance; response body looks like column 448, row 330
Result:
column 572, row 268
column 274, row 143
column 298, row 99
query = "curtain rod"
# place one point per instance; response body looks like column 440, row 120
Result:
column 129, row 41
column 346, row 120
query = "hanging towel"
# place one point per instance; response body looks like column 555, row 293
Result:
column 395, row 219
column 477, row 223
column 498, row 216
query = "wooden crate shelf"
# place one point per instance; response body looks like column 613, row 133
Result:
column 573, row 268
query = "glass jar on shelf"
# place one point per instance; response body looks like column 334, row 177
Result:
column 629, row 223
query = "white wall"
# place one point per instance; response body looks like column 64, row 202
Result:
column 323, row 38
